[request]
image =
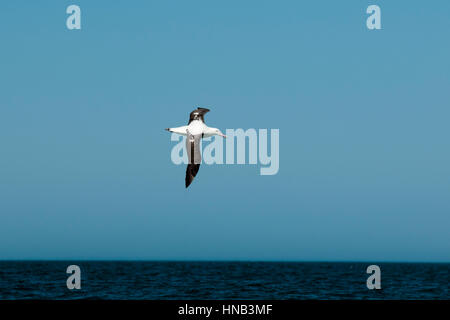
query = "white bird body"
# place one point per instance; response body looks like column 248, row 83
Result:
column 195, row 127
column 180, row 130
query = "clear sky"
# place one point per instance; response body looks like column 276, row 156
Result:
column 85, row 168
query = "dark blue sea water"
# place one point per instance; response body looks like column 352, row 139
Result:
column 222, row 280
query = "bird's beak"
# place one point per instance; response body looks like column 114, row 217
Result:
column 223, row 135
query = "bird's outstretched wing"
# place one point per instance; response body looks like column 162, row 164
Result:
column 198, row 114
column 194, row 156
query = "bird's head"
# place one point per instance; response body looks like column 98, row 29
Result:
column 217, row 132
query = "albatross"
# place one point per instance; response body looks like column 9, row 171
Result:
column 194, row 132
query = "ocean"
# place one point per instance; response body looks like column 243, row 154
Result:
column 123, row 280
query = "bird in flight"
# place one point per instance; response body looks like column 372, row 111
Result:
column 194, row 131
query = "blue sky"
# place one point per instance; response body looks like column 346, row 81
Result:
column 85, row 169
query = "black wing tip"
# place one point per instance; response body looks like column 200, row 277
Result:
column 191, row 172
column 189, row 180
column 198, row 114
column 167, row 129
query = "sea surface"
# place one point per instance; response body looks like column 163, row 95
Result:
column 222, row 280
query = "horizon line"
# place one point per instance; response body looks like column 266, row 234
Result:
column 216, row 260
